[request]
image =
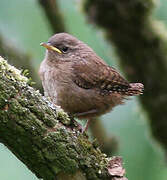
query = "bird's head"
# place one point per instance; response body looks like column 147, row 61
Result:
column 64, row 47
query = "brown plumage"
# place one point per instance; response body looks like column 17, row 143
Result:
column 78, row 80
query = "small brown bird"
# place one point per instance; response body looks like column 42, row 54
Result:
column 79, row 81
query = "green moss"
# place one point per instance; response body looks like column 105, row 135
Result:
column 11, row 72
column 63, row 117
column 62, row 158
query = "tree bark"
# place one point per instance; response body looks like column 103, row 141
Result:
column 53, row 15
column 44, row 138
column 141, row 44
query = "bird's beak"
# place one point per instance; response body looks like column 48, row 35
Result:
column 50, row 47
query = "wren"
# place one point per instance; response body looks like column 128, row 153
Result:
column 78, row 80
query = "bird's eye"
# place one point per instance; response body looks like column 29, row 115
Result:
column 65, row 49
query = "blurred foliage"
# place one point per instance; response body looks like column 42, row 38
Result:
column 25, row 26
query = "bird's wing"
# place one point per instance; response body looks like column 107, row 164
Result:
column 96, row 74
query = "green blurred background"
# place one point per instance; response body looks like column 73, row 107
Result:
column 24, row 24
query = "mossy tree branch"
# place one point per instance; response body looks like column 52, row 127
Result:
column 44, row 138
column 141, row 44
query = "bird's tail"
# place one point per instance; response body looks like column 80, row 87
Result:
column 135, row 89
